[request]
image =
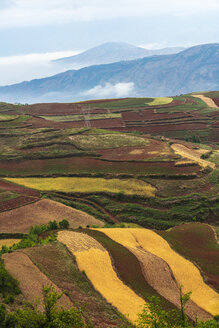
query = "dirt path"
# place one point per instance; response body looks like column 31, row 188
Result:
column 31, row 279
column 207, row 100
column 41, row 212
column 191, row 154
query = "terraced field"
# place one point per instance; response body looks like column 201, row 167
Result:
column 41, row 212
column 185, row 273
column 126, row 186
column 102, row 275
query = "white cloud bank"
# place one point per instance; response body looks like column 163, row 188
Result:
column 20, row 68
column 15, row 13
column 110, row 91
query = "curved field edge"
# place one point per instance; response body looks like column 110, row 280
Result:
column 92, row 258
column 197, row 242
column 31, row 279
column 41, row 212
column 127, row 186
column 186, row 274
column 122, row 259
column 59, row 264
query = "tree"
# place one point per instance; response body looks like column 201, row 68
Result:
column 51, row 317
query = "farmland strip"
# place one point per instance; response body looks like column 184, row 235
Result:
column 95, row 261
column 184, row 271
column 31, row 279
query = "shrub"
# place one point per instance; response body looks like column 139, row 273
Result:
column 64, row 224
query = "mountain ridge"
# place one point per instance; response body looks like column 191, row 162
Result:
column 193, row 69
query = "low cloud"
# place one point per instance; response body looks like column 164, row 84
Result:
column 15, row 69
column 44, row 12
column 109, row 90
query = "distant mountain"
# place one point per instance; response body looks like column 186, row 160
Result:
column 112, row 52
column 193, row 69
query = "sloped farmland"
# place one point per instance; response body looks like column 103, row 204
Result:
column 41, row 212
column 95, row 261
column 185, row 273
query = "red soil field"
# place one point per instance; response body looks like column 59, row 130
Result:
column 86, row 165
column 216, row 101
column 19, row 189
column 164, row 128
column 16, row 202
column 51, row 109
column 196, row 241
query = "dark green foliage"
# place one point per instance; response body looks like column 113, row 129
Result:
column 52, row 225
column 64, row 224
column 8, row 285
column 153, row 316
column 51, row 317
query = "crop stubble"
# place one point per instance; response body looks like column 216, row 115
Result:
column 95, row 261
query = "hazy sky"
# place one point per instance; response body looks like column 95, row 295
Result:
column 45, row 29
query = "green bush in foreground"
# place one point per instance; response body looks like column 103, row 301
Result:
column 51, row 317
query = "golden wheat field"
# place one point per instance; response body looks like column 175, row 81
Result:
column 92, row 258
column 160, row 101
column 126, row 186
column 8, row 242
column 185, row 273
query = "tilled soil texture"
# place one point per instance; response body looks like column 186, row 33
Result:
column 160, row 277
column 155, row 149
column 6, row 185
column 95, row 261
column 60, row 265
column 185, row 272
column 196, row 241
column 41, row 212
column 86, row 165
column 31, row 279
column 16, row 202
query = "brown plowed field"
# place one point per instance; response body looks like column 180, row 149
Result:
column 200, row 247
column 19, row 189
column 16, row 202
column 51, row 109
column 31, row 279
column 216, row 101
column 159, row 275
column 86, row 165
column 41, row 212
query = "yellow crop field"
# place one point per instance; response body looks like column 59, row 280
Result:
column 185, row 272
column 95, row 261
column 4, row 117
column 126, row 186
column 160, row 101
column 8, row 242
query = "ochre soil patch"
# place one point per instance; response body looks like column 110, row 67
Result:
column 31, row 279
column 95, row 261
column 154, row 149
column 41, row 212
column 185, row 273
column 58, row 263
column 207, row 100
column 191, row 154
column 196, row 241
